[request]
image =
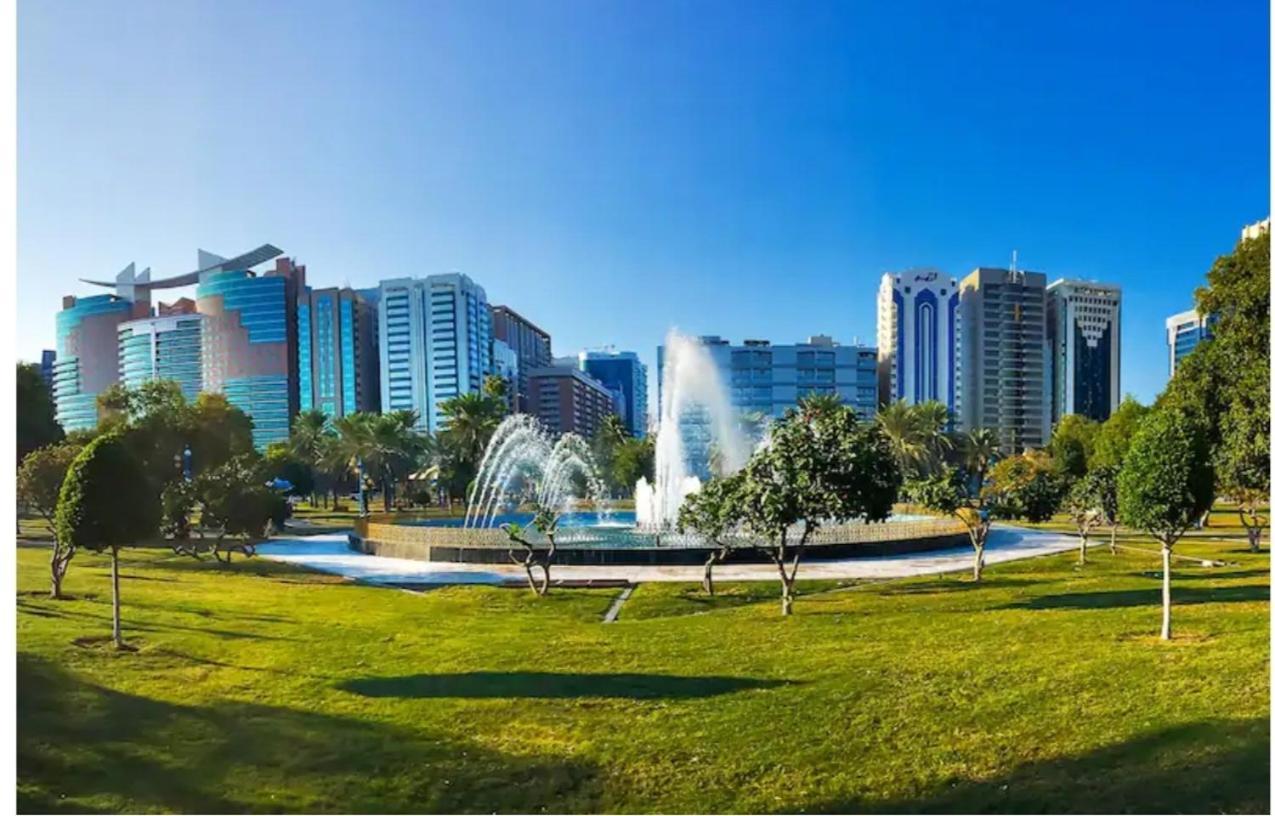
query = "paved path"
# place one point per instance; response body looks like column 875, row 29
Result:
column 329, row 553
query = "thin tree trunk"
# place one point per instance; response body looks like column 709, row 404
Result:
column 116, row 635
column 1113, row 538
column 708, row 572
column 978, row 562
column 1166, row 628
column 55, row 574
column 544, row 588
column 1084, row 546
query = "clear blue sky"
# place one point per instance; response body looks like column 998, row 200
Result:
column 613, row 169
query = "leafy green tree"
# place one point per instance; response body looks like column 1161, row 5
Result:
column 821, row 466
column 177, row 505
column 1103, row 481
column 1111, row 442
column 610, row 435
column 1071, row 445
column 219, row 432
column 107, row 503
column 1244, row 471
column 1026, row 486
column 714, row 512
column 949, row 492
column 1084, row 504
column 385, row 447
column 634, row 459
column 40, row 478
column 979, row 450
column 907, row 440
column 234, row 503
column 469, row 421
column 37, row 424
column 1166, row 483
column 281, row 463
column 530, row 555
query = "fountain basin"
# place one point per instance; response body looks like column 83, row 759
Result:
column 587, row 542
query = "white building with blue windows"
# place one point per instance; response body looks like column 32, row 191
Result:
column 919, row 338
column 435, row 343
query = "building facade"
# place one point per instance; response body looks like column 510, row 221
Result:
column 568, row 400
column 164, row 347
column 531, row 344
column 47, row 358
column 1083, row 330
column 250, row 340
column 504, row 364
column 435, row 343
column 918, row 338
column 87, row 359
column 1004, row 382
column 624, row 375
column 338, row 364
column 1255, row 230
column 1186, row 331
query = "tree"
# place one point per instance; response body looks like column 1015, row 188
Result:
column 1165, row 484
column 714, row 513
column 308, row 440
column 470, row 420
column 106, row 503
column 607, row 440
column 1103, row 489
column 821, row 466
column 1071, row 445
column 234, row 502
column 546, row 521
column 39, row 485
column 902, row 428
column 1026, row 486
column 979, row 450
column 280, row 462
column 1111, row 441
column 384, row 447
column 1244, row 471
column 948, row 492
column 1085, row 506
column 37, row 424
column 634, row 459
column 177, row 505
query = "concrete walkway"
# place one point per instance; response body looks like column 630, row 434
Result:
column 329, row 553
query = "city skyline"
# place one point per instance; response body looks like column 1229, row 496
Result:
column 760, row 197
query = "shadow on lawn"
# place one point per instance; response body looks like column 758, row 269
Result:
column 1145, row 597
column 553, row 685
column 1212, row 766
column 83, row 747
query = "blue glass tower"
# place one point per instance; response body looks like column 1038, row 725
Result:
column 625, row 376
column 337, row 352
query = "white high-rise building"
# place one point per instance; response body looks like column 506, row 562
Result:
column 1082, row 320
column 435, row 343
column 919, row 338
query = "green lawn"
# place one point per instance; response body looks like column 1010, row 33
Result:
column 259, row 687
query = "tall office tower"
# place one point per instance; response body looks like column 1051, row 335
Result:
column 88, row 359
column 435, row 343
column 165, row 347
column 338, row 365
column 504, row 364
column 568, row 400
column 624, row 375
column 1186, row 331
column 1003, row 357
column 1082, row 324
column 531, row 343
column 47, row 358
column 250, row 337
column 765, row 380
column 918, row 339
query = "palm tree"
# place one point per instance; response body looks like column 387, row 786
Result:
column 980, row 448
column 816, row 403
column 310, row 431
column 470, row 420
column 933, row 422
column 902, row 428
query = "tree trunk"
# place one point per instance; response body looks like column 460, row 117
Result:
column 1084, row 546
column 1113, row 538
column 708, row 573
column 55, row 574
column 544, row 588
column 1255, row 539
column 1166, row 628
column 978, row 562
column 116, row 635
column 786, row 600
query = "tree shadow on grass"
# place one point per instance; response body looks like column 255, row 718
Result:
column 1209, row 575
column 129, row 624
column 83, row 747
column 1212, row 766
column 1112, row 599
column 553, row 685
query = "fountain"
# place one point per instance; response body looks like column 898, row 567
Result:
column 691, row 387
column 523, row 462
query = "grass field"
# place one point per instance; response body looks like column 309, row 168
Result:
column 259, row 687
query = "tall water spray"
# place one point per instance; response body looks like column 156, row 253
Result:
column 690, row 383
column 522, row 462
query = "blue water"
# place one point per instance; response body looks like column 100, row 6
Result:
column 620, row 519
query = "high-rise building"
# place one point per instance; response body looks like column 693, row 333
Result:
column 1083, row 329
column 435, row 343
column 250, row 338
column 47, row 358
column 531, row 343
column 87, row 358
column 1187, row 330
column 568, row 400
column 1003, row 361
column 338, row 366
column 165, row 347
column 504, row 364
column 624, row 375
column 918, row 338
column 765, row 380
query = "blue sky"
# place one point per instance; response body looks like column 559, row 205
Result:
column 614, row 169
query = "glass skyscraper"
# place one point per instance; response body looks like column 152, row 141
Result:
column 1083, row 329
column 337, row 360
column 249, row 341
column 167, row 347
column 1186, row 331
column 435, row 343
column 625, row 376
